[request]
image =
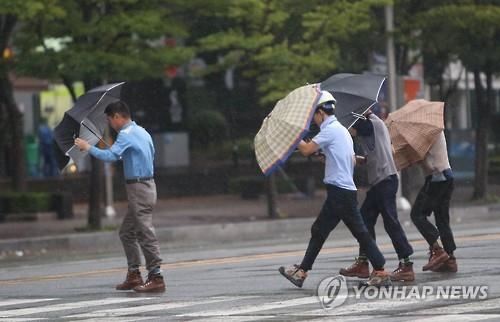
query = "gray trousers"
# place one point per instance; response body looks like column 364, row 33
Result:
column 137, row 226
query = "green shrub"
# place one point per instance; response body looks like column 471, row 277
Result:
column 18, row 202
column 252, row 186
column 249, row 187
column 207, row 127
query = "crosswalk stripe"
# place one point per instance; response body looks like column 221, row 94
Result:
column 343, row 318
column 245, row 318
column 21, row 319
column 254, row 308
column 460, row 318
column 122, row 319
column 361, row 307
column 461, row 308
column 66, row 306
column 152, row 307
column 9, row 302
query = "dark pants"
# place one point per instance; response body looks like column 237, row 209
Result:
column 341, row 204
column 434, row 197
column 381, row 199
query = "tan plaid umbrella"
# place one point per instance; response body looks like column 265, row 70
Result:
column 413, row 129
column 284, row 127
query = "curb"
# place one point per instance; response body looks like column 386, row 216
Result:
column 170, row 237
column 99, row 242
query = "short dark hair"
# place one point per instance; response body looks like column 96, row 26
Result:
column 118, row 107
column 328, row 111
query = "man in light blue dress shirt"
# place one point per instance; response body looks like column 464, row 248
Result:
column 134, row 147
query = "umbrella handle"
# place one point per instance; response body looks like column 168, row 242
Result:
column 359, row 116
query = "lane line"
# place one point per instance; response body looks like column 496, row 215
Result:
column 231, row 260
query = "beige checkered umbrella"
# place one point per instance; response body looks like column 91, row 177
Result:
column 284, row 127
column 413, row 129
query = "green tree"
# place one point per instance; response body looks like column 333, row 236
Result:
column 13, row 14
column 284, row 44
column 101, row 41
column 469, row 31
column 278, row 45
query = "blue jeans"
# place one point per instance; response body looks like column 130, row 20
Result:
column 341, row 204
column 381, row 199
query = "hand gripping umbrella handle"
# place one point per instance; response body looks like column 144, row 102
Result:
column 96, row 135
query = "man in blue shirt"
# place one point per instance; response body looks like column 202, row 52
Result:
column 135, row 147
column 341, row 202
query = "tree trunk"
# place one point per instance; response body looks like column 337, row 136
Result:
column 12, row 117
column 96, row 193
column 271, row 193
column 482, row 134
column 96, row 210
column 14, row 122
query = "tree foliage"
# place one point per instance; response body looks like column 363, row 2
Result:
column 285, row 44
column 469, row 31
column 103, row 40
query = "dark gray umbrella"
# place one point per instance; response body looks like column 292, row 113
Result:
column 355, row 94
column 86, row 119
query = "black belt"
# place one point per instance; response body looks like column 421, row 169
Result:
column 140, row 179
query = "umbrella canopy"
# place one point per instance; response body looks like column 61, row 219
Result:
column 284, row 127
column 413, row 129
column 355, row 94
column 86, row 119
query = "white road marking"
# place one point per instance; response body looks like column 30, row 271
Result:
column 459, row 318
column 122, row 319
column 21, row 319
column 360, row 307
column 461, row 308
column 254, row 308
column 66, row 306
column 153, row 307
column 245, row 318
column 8, row 302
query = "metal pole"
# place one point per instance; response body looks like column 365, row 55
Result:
column 402, row 203
column 108, row 177
column 391, row 57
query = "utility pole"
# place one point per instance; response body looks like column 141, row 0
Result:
column 402, row 202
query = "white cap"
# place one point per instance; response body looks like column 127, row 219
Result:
column 327, row 97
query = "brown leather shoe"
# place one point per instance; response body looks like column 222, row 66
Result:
column 437, row 257
column 153, row 284
column 378, row 278
column 359, row 268
column 404, row 273
column 132, row 280
column 450, row 266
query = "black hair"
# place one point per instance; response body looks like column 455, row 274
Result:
column 118, row 107
column 328, row 111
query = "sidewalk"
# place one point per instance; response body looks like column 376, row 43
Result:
column 195, row 220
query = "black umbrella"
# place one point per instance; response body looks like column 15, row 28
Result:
column 355, row 94
column 86, row 119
